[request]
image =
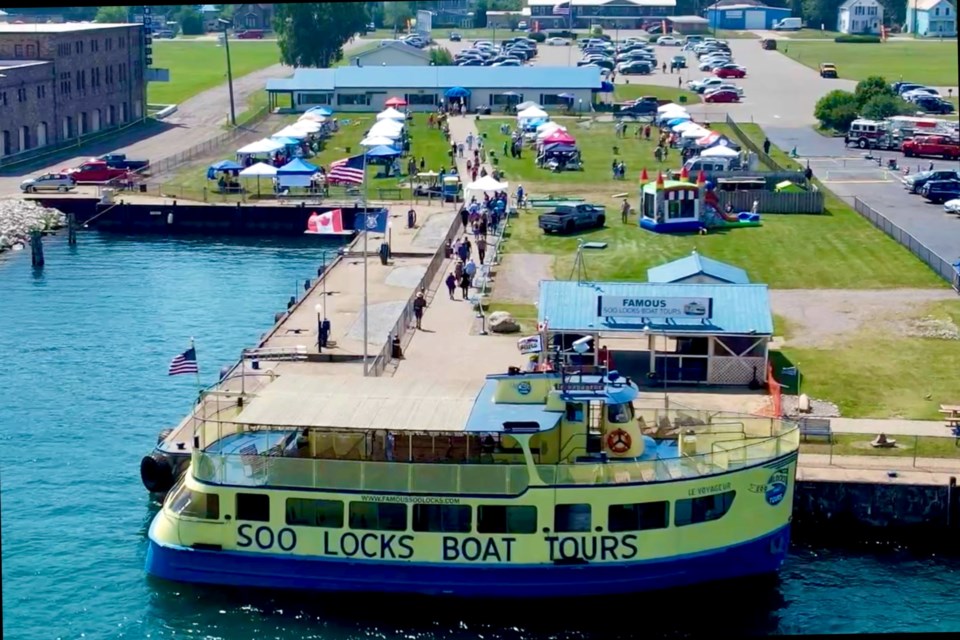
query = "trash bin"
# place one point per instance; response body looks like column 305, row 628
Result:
column 346, row 150
column 682, row 99
column 143, row 188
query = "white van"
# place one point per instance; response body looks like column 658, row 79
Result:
column 788, row 24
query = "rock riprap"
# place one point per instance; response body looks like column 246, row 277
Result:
column 18, row 218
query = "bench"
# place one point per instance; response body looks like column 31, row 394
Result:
column 815, row 427
column 298, row 352
column 395, row 193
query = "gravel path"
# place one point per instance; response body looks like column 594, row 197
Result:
column 820, row 317
column 524, row 271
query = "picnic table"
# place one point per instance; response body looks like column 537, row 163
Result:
column 951, row 413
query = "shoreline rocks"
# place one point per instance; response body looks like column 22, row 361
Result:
column 18, row 218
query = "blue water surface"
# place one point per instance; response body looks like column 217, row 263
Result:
column 86, row 344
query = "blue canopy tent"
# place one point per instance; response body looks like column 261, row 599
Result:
column 287, row 141
column 322, row 110
column 296, row 173
column 224, row 166
column 457, row 92
column 531, row 125
column 676, row 121
column 383, row 151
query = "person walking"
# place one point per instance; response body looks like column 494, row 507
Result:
column 419, row 304
column 451, row 282
column 481, row 248
column 766, row 146
column 465, row 285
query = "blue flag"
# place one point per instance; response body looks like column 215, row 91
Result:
column 788, row 371
column 374, row 221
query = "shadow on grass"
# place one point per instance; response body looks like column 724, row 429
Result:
column 780, row 361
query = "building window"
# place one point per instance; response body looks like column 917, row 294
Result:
column 571, row 518
column 344, row 99
column 21, row 95
column 640, row 516
column 442, row 518
column 703, row 509
column 314, row 98
column 108, row 44
column 18, row 51
column 253, row 507
column 94, row 46
column 378, row 516
column 315, row 513
column 504, row 519
column 31, row 51
column 3, row 98
column 421, row 99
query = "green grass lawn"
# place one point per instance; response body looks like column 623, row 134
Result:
column 198, row 66
column 879, row 373
column 190, row 181
column 933, row 63
column 811, row 34
column 854, row 444
column 730, row 34
column 623, row 92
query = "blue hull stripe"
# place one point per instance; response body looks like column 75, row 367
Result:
column 763, row 555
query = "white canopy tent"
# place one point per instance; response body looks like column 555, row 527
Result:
column 307, row 126
column 695, row 134
column 663, row 116
column 391, row 114
column 550, row 126
column 683, row 126
column 376, row 141
column 719, row 151
column 292, row 132
column 486, row 184
column 670, row 106
column 531, row 113
column 312, row 117
column 258, row 171
column 260, row 147
column 385, row 132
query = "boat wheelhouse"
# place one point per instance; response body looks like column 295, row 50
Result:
column 539, row 484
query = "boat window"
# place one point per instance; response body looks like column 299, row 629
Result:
column 442, row 518
column 253, row 507
column 703, row 509
column 619, row 413
column 196, row 504
column 378, row 516
column 639, row 516
column 574, row 412
column 568, row 518
column 504, row 519
column 315, row 513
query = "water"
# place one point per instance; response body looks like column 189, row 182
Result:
column 86, row 346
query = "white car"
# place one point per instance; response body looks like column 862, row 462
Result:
column 707, row 84
column 669, row 41
column 712, row 63
column 728, row 86
column 952, row 206
column 48, row 182
column 557, row 42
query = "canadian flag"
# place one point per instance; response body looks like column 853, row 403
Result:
column 328, row 222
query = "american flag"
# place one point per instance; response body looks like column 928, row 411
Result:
column 186, row 362
column 561, row 9
column 349, row 170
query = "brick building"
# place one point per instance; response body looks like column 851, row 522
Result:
column 61, row 81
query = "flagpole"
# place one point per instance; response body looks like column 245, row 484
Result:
column 366, row 321
column 199, row 388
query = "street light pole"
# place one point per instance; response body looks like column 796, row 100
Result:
column 226, row 45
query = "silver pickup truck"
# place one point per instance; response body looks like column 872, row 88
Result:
column 569, row 218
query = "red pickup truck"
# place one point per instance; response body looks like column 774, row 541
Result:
column 95, row 171
column 931, row 146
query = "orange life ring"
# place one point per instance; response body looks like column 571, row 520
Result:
column 619, row 441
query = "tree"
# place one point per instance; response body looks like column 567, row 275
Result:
column 819, row 12
column 112, row 15
column 313, row 34
column 191, row 22
column 871, row 87
column 396, row 15
column 480, row 15
column 883, row 106
column 837, row 110
column 440, row 57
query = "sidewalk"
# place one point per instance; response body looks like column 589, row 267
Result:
column 447, row 343
column 873, row 426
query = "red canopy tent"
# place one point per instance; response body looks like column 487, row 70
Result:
column 559, row 136
column 395, row 102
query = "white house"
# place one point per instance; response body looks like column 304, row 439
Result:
column 931, row 19
column 391, row 53
column 860, row 16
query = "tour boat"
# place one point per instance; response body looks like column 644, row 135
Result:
column 523, row 484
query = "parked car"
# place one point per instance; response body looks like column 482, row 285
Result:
column 120, row 161
column 93, row 171
column 508, row 63
column 729, row 86
column 678, row 62
column 938, row 191
column 730, row 70
column 952, row 206
column 906, row 87
column 557, row 42
column 645, row 107
column 49, row 182
column 914, row 182
column 250, row 34
column 634, row 68
column 922, row 92
column 828, row 70
column 941, row 146
column 669, row 41
column 455, row 36
column 702, row 86
column 569, row 218
column 933, row 104
column 721, row 96
column 165, row 34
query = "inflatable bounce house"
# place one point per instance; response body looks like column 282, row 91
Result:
column 681, row 206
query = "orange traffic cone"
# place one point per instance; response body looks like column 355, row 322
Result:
column 644, row 178
column 659, row 180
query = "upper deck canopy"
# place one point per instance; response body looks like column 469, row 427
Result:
column 387, row 403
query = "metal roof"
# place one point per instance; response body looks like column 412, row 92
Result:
column 693, row 265
column 395, row 45
column 489, row 417
column 63, row 27
column 377, row 77
column 738, row 309
column 345, row 402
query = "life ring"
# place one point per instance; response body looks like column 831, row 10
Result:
column 619, row 441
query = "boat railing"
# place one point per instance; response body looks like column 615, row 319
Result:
column 356, row 475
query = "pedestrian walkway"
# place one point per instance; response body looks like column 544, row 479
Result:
column 447, row 345
column 873, row 426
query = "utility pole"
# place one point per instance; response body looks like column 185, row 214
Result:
column 226, row 44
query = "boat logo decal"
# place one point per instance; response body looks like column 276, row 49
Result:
column 619, row 441
column 524, row 388
column 371, row 222
column 777, row 487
